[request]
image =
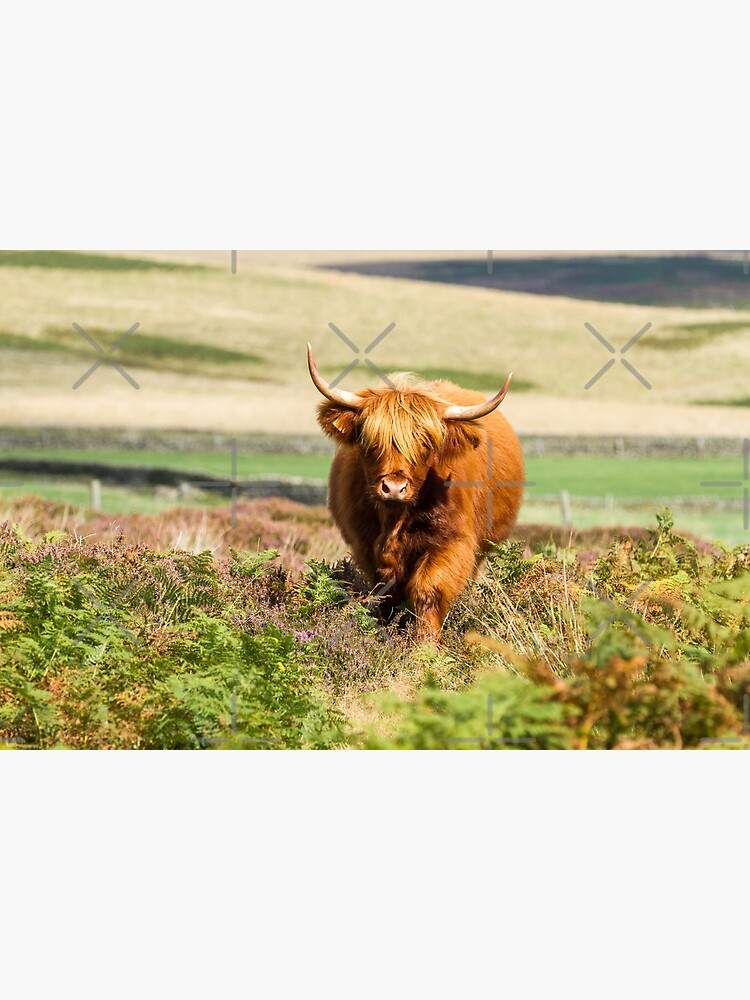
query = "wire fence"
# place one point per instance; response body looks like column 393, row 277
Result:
column 185, row 487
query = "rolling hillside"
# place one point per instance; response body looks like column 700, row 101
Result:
column 224, row 351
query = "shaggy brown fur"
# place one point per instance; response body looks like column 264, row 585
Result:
column 427, row 544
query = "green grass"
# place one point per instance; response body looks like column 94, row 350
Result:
column 139, row 350
column 744, row 401
column 580, row 476
column 488, row 382
column 648, row 478
column 20, row 342
column 214, row 463
column 85, row 261
column 481, row 381
column 633, row 477
column 114, row 499
column 688, row 336
column 713, row 526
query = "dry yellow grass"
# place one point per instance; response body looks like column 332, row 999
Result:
column 276, row 302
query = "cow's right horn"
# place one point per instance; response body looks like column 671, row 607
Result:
column 341, row 396
column 480, row 409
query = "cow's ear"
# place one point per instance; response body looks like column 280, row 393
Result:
column 338, row 422
column 461, row 436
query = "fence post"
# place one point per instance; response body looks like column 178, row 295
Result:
column 565, row 508
column 95, row 494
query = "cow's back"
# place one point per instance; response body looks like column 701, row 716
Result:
column 493, row 466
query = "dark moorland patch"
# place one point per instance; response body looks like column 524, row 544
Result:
column 696, row 281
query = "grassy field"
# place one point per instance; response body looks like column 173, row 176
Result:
column 615, row 480
column 712, row 525
column 114, row 499
column 244, row 625
column 215, row 463
column 220, row 351
column 216, row 350
column 579, row 475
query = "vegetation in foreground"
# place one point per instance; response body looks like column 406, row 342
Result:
column 642, row 642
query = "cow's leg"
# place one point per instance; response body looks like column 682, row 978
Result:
column 430, row 610
column 390, row 569
column 438, row 579
column 364, row 558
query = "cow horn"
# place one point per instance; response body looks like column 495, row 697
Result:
column 341, row 396
column 481, row 409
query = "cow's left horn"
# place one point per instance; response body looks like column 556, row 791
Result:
column 341, row 396
column 481, row 409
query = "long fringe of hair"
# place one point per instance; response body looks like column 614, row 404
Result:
column 407, row 420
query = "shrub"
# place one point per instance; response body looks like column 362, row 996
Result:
column 117, row 646
column 651, row 650
column 113, row 644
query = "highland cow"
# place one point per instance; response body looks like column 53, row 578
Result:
column 426, row 475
